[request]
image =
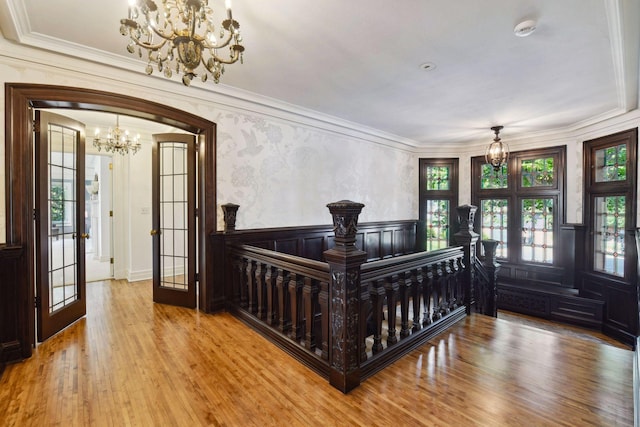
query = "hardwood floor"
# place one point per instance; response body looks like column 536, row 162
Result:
column 134, row 363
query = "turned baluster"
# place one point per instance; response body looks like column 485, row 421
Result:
column 365, row 311
column 404, row 287
column 260, row 290
column 416, row 290
column 448, row 288
column 391, row 286
column 236, row 278
column 309, row 296
column 427, row 290
column 269, row 281
column 251, row 286
column 455, row 267
column 437, row 291
column 295, row 287
column 323, row 299
column 283, row 301
column 377, row 299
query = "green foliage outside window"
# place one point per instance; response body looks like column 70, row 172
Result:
column 437, row 178
column 537, row 172
column 491, row 180
column 57, row 204
column 611, row 164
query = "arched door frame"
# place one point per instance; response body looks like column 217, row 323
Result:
column 20, row 99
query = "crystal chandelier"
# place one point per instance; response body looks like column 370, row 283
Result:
column 497, row 152
column 168, row 33
column 117, row 141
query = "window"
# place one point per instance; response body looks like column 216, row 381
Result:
column 610, row 203
column 438, row 200
column 521, row 204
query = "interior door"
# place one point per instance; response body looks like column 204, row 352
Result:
column 174, row 219
column 59, row 222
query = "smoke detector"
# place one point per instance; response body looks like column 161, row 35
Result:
column 525, row 28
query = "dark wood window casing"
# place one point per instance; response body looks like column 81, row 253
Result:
column 610, row 218
column 531, row 185
column 438, row 191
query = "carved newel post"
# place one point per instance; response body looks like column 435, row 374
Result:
column 491, row 293
column 344, row 298
column 467, row 238
column 230, row 211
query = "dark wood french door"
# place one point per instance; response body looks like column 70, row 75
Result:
column 59, row 222
column 174, row 219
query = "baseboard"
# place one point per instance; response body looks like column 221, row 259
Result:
column 135, row 276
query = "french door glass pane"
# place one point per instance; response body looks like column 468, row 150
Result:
column 437, row 224
column 62, row 204
column 611, row 164
column 493, row 223
column 173, row 213
column 609, row 234
column 537, row 230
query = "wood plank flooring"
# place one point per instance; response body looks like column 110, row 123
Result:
column 134, row 363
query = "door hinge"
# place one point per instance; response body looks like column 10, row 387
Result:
column 197, row 278
column 110, row 166
column 110, row 260
column 35, row 215
column 37, row 302
column 36, row 126
column 110, row 213
column 197, row 212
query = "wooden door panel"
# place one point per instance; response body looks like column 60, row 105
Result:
column 174, row 219
column 59, row 227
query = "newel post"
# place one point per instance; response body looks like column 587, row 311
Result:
column 491, row 298
column 467, row 238
column 344, row 297
column 230, row 210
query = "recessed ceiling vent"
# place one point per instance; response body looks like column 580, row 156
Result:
column 428, row 66
column 525, row 28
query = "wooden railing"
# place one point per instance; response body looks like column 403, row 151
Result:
column 331, row 315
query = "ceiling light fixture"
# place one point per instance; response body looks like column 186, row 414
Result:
column 169, row 34
column 117, row 141
column 497, row 152
column 525, row 28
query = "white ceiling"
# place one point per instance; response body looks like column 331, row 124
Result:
column 359, row 60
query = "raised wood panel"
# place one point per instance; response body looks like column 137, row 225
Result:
column 313, row 246
column 386, row 249
column 372, row 246
column 12, row 326
column 394, row 237
column 287, row 246
column 533, row 275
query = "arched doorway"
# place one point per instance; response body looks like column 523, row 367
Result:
column 20, row 99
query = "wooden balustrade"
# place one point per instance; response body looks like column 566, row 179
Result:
column 284, row 292
column 340, row 317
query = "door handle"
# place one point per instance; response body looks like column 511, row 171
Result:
column 85, row 236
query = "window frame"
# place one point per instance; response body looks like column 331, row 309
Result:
column 515, row 193
column 451, row 195
column 595, row 189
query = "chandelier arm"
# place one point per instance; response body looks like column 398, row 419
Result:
column 150, row 47
column 236, row 56
column 208, row 45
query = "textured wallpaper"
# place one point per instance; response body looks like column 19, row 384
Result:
column 284, row 174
